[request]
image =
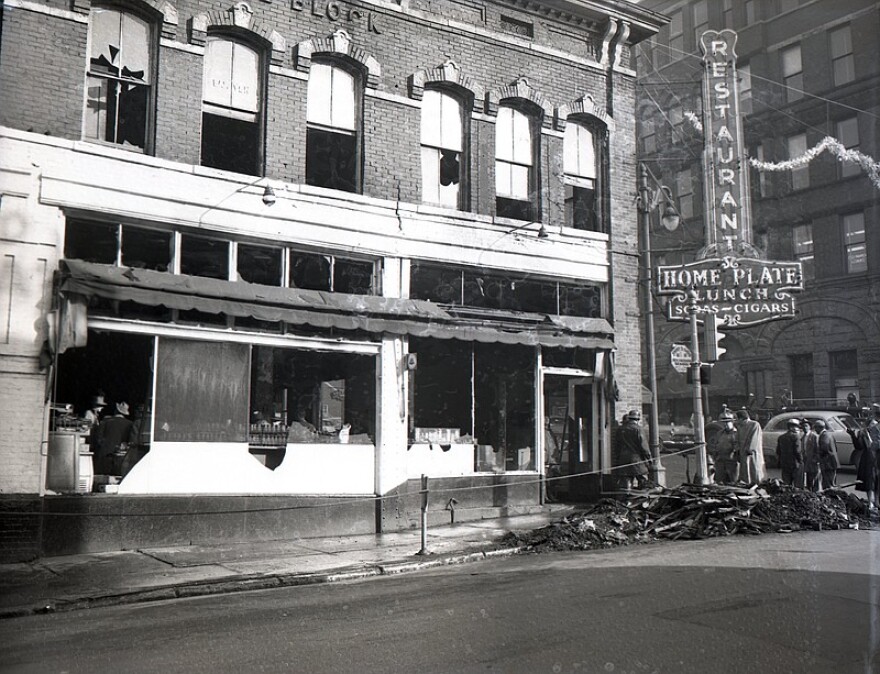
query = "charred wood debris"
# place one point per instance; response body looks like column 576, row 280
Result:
column 692, row 512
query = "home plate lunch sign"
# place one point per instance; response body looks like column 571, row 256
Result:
column 728, row 279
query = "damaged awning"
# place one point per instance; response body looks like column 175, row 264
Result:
column 325, row 309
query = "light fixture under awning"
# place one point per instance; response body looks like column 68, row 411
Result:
column 317, row 308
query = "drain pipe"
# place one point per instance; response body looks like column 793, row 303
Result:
column 424, row 493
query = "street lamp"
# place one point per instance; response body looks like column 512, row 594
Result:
column 648, row 201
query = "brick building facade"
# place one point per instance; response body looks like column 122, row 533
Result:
column 807, row 71
column 318, row 249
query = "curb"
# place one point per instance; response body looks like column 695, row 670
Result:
column 246, row 583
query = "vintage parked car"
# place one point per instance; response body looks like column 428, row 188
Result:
column 836, row 421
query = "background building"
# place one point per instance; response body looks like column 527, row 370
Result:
column 320, row 249
column 807, row 70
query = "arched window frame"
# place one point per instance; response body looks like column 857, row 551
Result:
column 445, row 146
column 334, row 145
column 517, row 165
column 227, row 155
column 107, row 93
column 584, row 161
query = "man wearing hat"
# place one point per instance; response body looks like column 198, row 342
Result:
column 828, row 460
column 790, row 453
column 751, row 446
column 871, row 469
column 93, row 415
column 725, row 451
column 812, row 468
column 633, row 455
column 111, row 441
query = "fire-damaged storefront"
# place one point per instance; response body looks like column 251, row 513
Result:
column 277, row 382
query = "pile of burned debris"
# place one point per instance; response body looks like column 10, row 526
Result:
column 694, row 512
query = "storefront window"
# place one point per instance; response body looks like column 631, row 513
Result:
column 301, row 396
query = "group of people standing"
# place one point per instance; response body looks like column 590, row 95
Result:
column 112, row 434
column 808, row 455
column 737, row 449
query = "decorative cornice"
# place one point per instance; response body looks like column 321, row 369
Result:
column 585, row 105
column 338, row 44
column 448, row 74
column 239, row 17
column 163, row 7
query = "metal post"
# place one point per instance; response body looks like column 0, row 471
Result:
column 654, row 424
column 702, row 472
column 424, row 493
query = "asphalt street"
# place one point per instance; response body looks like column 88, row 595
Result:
column 805, row 603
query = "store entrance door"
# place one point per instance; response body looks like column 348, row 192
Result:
column 569, row 431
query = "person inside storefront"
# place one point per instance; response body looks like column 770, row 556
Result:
column 114, row 436
column 92, row 416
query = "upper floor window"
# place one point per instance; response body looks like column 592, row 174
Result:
column 854, row 243
column 727, row 14
column 332, row 135
column 797, row 147
column 231, row 107
column 842, row 63
column 802, row 245
column 793, row 73
column 582, row 159
column 751, row 11
column 648, row 131
column 848, row 135
column 676, row 36
column 787, row 5
column 684, row 189
column 701, row 19
column 745, row 89
column 515, row 174
column 760, row 178
column 119, row 78
column 443, row 149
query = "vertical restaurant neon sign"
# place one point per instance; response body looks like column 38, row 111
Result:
column 727, row 223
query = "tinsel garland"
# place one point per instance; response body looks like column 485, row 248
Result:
column 829, row 144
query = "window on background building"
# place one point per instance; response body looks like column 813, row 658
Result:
column 760, row 177
column 649, row 136
column 802, row 247
column 844, row 366
column 701, row 20
column 801, row 368
column 231, row 110
column 119, row 78
column 797, row 146
column 842, row 62
column 793, row 73
column 745, row 89
column 332, row 136
column 443, row 150
column 788, row 5
column 582, row 159
column 750, row 12
column 684, row 189
column 676, row 36
column 727, row 14
column 848, row 135
column 515, row 175
column 676, row 116
column 854, row 243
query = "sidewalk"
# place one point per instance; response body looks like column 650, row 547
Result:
column 111, row 578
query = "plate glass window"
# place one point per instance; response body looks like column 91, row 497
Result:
column 119, row 78
column 332, row 142
column 442, row 141
column 231, row 115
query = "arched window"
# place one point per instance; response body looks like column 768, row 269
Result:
column 119, row 79
column 581, row 175
column 515, row 174
column 443, row 149
column 232, row 129
column 332, row 136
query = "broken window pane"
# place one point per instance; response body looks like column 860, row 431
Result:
column 353, row 276
column 310, row 271
column 514, row 209
column 91, row 241
column 200, row 256
column 442, row 145
column 441, row 385
column 118, row 88
column 313, row 396
column 146, row 248
column 580, row 301
column 331, row 160
column 260, row 264
column 580, row 208
column 435, row 284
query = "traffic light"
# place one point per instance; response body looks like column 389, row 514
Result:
column 705, row 374
column 714, row 350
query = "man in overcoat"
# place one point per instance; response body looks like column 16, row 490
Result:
column 790, row 454
column 633, row 455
